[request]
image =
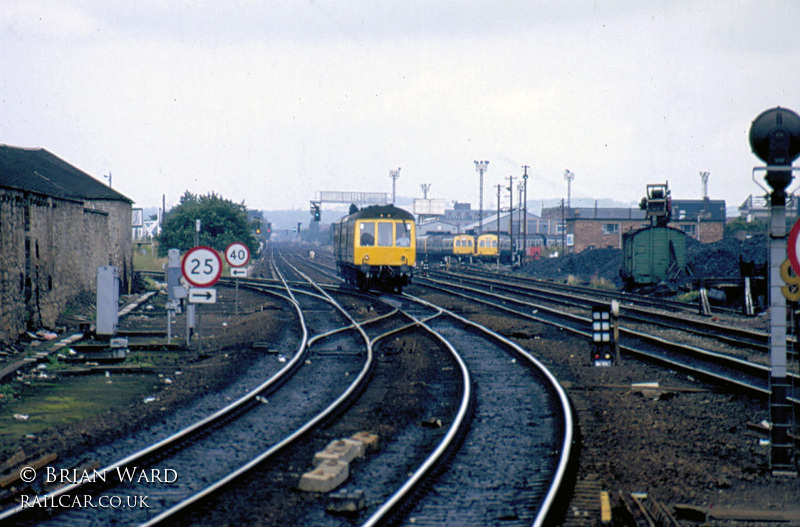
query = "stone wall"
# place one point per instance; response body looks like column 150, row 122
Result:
column 50, row 249
column 119, row 241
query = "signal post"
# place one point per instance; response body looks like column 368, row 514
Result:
column 775, row 139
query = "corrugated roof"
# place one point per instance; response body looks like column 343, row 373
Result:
column 39, row 171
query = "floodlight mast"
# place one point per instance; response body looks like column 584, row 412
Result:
column 569, row 175
column 775, row 139
column 394, row 174
column 481, row 167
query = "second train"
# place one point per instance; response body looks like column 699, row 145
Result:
column 436, row 247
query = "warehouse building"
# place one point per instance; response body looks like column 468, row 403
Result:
column 57, row 225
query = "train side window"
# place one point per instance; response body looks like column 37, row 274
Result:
column 385, row 234
column 367, row 238
column 402, row 235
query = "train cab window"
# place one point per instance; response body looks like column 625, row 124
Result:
column 367, row 238
column 403, row 235
column 385, row 234
column 494, row 243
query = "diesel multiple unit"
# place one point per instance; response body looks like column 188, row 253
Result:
column 375, row 248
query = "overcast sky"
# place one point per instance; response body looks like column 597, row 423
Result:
column 267, row 102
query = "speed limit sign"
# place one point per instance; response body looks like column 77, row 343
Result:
column 237, row 254
column 201, row 266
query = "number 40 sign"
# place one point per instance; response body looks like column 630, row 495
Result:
column 237, row 254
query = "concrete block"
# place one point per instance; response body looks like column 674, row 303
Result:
column 342, row 450
column 370, row 440
column 325, row 477
column 345, row 501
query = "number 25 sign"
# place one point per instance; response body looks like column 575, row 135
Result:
column 201, row 266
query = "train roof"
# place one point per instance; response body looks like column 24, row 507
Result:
column 637, row 232
column 382, row 211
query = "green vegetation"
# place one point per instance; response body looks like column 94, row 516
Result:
column 8, row 392
column 601, row 283
column 751, row 227
column 53, row 402
column 146, row 258
column 222, row 222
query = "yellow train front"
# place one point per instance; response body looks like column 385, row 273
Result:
column 375, row 248
column 487, row 247
column 438, row 246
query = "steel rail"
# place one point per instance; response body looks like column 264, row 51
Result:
column 186, row 504
column 404, row 493
column 756, row 371
column 728, row 334
column 185, row 433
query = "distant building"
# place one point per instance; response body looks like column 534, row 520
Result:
column 540, row 232
column 436, row 226
column 596, row 228
column 757, row 208
column 57, row 225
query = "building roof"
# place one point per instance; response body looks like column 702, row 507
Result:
column 682, row 210
column 691, row 209
column 41, row 172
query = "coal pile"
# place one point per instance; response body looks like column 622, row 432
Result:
column 721, row 259
column 713, row 260
column 586, row 266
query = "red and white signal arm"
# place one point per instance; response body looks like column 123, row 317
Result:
column 793, row 247
column 201, row 266
column 237, row 254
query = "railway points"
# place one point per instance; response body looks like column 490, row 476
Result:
column 699, row 409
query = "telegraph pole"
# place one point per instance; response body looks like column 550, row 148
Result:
column 510, row 189
column 499, row 188
column 519, row 212
column 525, row 208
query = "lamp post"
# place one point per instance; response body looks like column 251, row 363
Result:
column 525, row 209
column 775, row 139
column 481, row 167
column 569, row 175
column 394, row 174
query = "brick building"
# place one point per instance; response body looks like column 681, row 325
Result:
column 57, row 225
column 597, row 228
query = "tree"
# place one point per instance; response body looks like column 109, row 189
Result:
column 222, row 222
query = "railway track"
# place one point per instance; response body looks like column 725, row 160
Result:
column 186, row 452
column 432, row 496
column 419, row 448
column 713, row 366
column 745, row 353
column 721, row 353
column 634, row 309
